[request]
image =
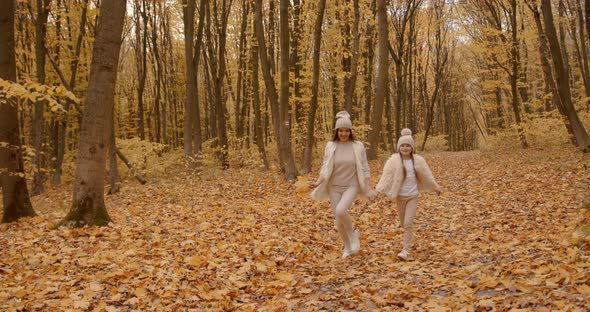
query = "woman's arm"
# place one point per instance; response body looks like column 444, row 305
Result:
column 321, row 178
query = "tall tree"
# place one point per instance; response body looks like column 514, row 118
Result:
column 88, row 206
column 315, row 77
column 382, row 80
column 351, row 81
column 191, row 78
column 40, row 34
column 563, row 85
column 15, row 195
column 279, row 110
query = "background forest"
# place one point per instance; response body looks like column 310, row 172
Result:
column 463, row 74
column 216, row 103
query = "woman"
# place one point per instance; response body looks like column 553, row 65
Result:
column 344, row 172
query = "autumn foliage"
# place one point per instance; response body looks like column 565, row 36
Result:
column 505, row 234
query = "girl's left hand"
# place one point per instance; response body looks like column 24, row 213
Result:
column 372, row 195
column 438, row 191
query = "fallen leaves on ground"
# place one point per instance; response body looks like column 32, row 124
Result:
column 500, row 237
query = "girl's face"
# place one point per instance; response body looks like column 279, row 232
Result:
column 405, row 149
column 343, row 134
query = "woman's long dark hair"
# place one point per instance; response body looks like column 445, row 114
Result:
column 335, row 138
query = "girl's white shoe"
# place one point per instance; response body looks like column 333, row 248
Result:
column 346, row 253
column 404, row 255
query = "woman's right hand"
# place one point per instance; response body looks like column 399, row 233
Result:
column 313, row 184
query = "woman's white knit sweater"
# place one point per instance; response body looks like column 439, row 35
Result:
column 362, row 169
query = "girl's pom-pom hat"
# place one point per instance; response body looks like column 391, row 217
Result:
column 405, row 138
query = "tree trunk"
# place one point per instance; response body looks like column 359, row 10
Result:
column 196, row 127
column 38, row 135
column 15, row 195
column 191, row 79
column 141, row 56
column 258, row 133
column 239, row 124
column 315, row 78
column 563, row 87
column 285, row 153
column 583, row 53
column 515, row 60
column 61, row 132
column 88, row 201
column 284, row 125
column 113, row 169
column 547, row 72
column 369, row 66
column 296, row 64
column 382, row 80
column 350, row 86
column 218, row 85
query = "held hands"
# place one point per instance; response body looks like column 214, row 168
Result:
column 313, row 184
column 372, row 195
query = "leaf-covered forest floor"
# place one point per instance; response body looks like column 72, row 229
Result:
column 504, row 235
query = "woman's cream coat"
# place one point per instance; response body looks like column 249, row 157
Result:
column 392, row 177
column 321, row 192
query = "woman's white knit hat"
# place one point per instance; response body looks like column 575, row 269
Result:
column 405, row 138
column 343, row 120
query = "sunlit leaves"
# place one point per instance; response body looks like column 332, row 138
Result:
column 34, row 92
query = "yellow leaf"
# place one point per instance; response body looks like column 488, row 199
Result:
column 301, row 185
column 583, row 289
column 140, row 292
column 21, row 293
column 284, row 276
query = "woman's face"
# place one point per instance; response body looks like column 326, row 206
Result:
column 405, row 149
column 343, row 134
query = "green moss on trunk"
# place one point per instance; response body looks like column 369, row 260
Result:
column 86, row 211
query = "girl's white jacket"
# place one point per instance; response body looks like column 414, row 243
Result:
column 392, row 177
column 321, row 192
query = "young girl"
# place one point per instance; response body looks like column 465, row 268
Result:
column 404, row 174
column 344, row 171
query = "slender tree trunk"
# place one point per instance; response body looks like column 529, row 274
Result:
column 583, row 50
column 563, row 87
column 218, row 85
column 369, row 66
column 15, row 195
column 547, row 72
column 38, row 135
column 88, row 201
column 313, row 104
column 382, row 80
column 295, row 63
column 71, row 86
column 141, row 65
column 284, row 126
column 515, row 59
column 239, row 124
column 285, row 153
column 191, row 79
column 196, row 127
column 113, row 169
column 350, row 86
column 258, row 133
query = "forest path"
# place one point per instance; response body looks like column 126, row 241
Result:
column 500, row 236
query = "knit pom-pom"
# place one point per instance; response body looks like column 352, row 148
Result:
column 342, row 114
column 406, row 131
